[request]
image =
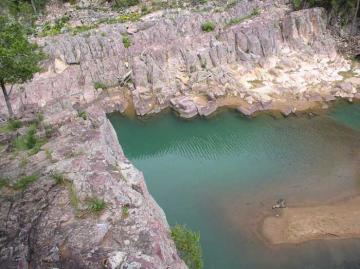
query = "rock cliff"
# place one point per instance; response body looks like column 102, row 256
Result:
column 48, row 223
column 260, row 56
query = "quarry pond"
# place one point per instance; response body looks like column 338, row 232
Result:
column 221, row 175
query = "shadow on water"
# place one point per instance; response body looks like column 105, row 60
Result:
column 221, row 175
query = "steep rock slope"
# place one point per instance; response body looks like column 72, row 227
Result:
column 49, row 224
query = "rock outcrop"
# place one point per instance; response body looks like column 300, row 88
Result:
column 278, row 58
column 49, row 224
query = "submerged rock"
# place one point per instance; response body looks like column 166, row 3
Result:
column 279, row 204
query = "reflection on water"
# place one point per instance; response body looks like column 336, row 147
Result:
column 221, row 175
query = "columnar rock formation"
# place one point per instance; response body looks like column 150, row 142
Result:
column 276, row 60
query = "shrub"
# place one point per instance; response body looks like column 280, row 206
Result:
column 96, row 205
column 126, row 41
column 14, row 124
column 188, row 246
column 24, row 182
column 208, row 26
column 297, row 4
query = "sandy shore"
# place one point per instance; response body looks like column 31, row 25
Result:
column 299, row 224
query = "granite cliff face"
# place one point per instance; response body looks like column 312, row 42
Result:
column 48, row 224
column 277, row 59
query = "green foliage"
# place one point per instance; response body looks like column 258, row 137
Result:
column 48, row 153
column 208, row 26
column 29, row 141
column 20, row 11
column 55, row 29
column 198, row 2
column 83, row 115
column 96, row 205
column 231, row 4
column 238, row 20
column 23, row 162
column 125, row 211
column 24, row 182
column 188, row 246
column 297, row 4
column 10, row 125
column 125, row 3
column 3, row 183
column 49, row 130
column 74, row 200
column 19, row 59
column 100, row 85
column 58, row 177
column 126, row 41
column 82, row 28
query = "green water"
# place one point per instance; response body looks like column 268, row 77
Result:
column 221, row 175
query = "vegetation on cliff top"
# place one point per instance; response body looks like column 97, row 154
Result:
column 19, row 59
column 347, row 10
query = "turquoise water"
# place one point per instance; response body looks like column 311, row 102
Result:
column 221, row 175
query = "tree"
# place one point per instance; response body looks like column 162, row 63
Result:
column 19, row 59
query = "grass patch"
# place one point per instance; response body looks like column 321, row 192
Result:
column 100, row 85
column 23, row 162
column 48, row 153
column 49, row 130
column 55, row 29
column 83, row 115
column 188, row 246
column 82, row 28
column 74, row 199
column 24, row 182
column 125, row 3
column 30, row 141
column 96, row 205
column 58, row 177
column 208, row 26
column 125, row 211
column 10, row 125
column 126, row 41
column 238, row 20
